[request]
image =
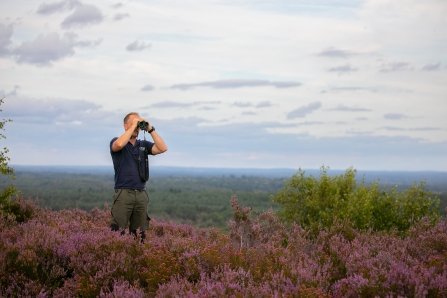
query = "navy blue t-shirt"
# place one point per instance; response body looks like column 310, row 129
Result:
column 125, row 163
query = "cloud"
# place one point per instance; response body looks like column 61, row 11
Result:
column 342, row 68
column 46, row 49
column 249, row 113
column 88, row 43
column 395, row 66
column 432, row 67
column 237, row 83
column 137, row 46
column 5, row 39
column 83, row 15
column 172, row 104
column 394, row 116
column 242, row 104
column 344, row 108
column 45, row 111
column 342, row 89
column 335, row 53
column 147, row 88
column 304, row 110
column 393, row 128
column 175, row 104
column 264, row 104
column 50, row 8
column 117, row 5
column 120, row 16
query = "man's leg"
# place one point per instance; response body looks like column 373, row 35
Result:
column 123, row 201
column 139, row 218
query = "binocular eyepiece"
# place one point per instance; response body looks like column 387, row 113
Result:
column 143, row 125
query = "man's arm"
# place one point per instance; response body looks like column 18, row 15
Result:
column 159, row 144
column 124, row 138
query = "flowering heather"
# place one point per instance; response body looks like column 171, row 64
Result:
column 72, row 253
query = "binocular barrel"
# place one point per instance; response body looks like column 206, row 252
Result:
column 143, row 125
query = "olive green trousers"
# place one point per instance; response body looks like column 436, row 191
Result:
column 130, row 207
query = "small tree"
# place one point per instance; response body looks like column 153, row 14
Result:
column 5, row 194
column 313, row 202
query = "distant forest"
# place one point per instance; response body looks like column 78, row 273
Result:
column 201, row 198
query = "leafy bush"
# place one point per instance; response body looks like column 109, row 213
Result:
column 316, row 202
column 5, row 169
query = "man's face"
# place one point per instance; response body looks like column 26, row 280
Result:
column 128, row 125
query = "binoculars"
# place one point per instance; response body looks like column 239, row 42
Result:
column 143, row 125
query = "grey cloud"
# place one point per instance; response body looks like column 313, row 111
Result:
column 120, row 16
column 307, row 123
column 349, row 109
column 5, row 39
column 342, row 89
column 264, row 104
column 395, row 66
column 206, row 108
column 249, row 113
column 172, row 104
column 117, row 5
column 304, row 110
column 46, row 49
column 242, row 104
column 394, row 116
column 335, row 53
column 137, row 46
column 14, row 92
column 88, row 43
column 147, row 88
column 237, row 83
column 82, row 16
column 432, row 67
column 425, row 128
column 361, row 119
column 50, row 8
column 40, row 111
column 393, row 128
column 342, row 68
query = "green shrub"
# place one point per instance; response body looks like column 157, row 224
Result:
column 316, row 202
column 5, row 169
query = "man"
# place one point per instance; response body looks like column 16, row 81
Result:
column 129, row 157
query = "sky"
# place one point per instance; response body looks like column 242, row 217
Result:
column 234, row 84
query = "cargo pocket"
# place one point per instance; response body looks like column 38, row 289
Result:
column 148, row 219
column 116, row 195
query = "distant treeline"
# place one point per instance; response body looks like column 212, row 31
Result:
column 202, row 201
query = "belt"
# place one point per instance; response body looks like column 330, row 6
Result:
column 130, row 189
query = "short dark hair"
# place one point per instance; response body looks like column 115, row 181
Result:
column 128, row 115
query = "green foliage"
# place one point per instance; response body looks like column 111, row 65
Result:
column 314, row 202
column 5, row 194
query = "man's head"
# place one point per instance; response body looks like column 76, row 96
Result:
column 128, row 120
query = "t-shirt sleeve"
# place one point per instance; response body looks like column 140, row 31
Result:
column 149, row 146
column 111, row 143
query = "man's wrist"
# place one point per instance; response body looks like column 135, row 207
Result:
column 151, row 130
